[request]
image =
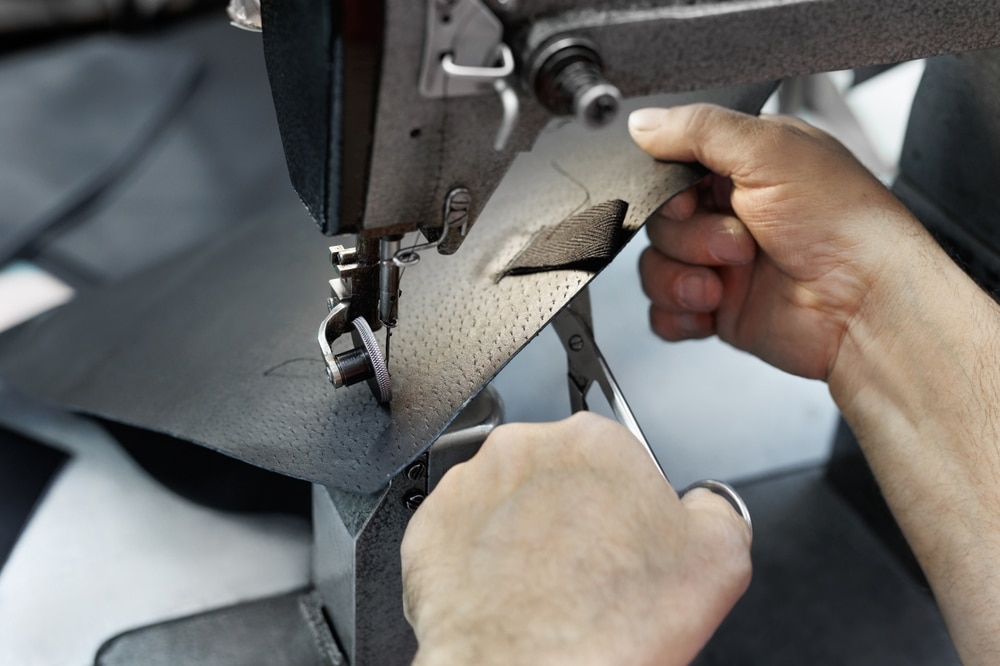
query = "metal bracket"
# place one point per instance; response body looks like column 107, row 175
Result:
column 245, row 15
column 339, row 302
column 464, row 55
column 365, row 362
column 464, row 40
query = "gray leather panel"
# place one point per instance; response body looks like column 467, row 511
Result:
column 219, row 347
column 75, row 119
column 287, row 630
column 217, row 163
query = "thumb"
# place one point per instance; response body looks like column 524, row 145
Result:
column 710, row 507
column 725, row 141
column 721, row 539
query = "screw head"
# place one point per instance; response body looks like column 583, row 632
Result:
column 602, row 111
column 576, row 343
column 416, row 471
column 413, row 500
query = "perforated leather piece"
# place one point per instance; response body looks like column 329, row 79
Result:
column 219, row 347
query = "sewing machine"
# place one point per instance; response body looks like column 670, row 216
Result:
column 475, row 124
column 404, row 116
column 398, row 117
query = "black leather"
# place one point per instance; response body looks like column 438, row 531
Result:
column 209, row 478
column 305, row 67
column 286, row 630
column 135, row 148
column 75, row 120
column 950, row 164
column 26, row 469
column 825, row 591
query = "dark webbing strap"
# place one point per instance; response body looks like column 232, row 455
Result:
column 586, row 241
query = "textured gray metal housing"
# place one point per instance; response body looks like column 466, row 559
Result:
column 646, row 47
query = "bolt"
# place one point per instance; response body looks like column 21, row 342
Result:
column 568, row 79
column 576, row 343
column 457, row 205
column 600, row 109
column 416, row 470
column 413, row 500
column 351, row 367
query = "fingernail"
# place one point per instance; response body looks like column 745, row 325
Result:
column 645, row 120
column 691, row 291
column 725, row 246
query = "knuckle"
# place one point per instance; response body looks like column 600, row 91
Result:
column 662, row 324
column 654, row 227
column 700, row 119
column 586, row 430
column 504, row 441
column 732, row 559
column 657, row 290
column 584, row 423
column 740, row 568
column 649, row 261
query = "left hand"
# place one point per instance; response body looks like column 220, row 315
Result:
column 562, row 544
column 789, row 248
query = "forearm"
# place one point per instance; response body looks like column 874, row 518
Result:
column 918, row 379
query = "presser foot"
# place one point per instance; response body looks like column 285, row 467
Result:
column 364, row 362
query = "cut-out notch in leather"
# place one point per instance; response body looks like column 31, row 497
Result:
column 587, row 241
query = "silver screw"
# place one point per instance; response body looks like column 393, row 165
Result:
column 576, row 343
column 413, row 500
column 416, row 471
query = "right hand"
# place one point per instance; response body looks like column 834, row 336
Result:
column 532, row 553
column 777, row 250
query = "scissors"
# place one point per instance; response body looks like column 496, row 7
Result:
column 586, row 366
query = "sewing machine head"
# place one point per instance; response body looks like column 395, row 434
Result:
column 400, row 115
column 381, row 142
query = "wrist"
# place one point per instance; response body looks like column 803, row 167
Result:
column 917, row 343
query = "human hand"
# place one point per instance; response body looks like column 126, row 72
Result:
column 562, row 544
column 778, row 250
